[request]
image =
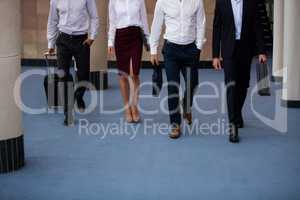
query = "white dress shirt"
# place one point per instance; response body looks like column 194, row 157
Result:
column 237, row 7
column 73, row 17
column 185, row 23
column 125, row 13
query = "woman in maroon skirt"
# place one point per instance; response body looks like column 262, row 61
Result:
column 128, row 22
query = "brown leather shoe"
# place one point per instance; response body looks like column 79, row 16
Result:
column 188, row 117
column 128, row 116
column 175, row 133
column 136, row 118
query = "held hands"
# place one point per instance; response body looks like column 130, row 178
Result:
column 155, row 60
column 88, row 42
column 217, row 64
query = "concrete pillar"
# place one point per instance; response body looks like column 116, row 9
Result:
column 11, row 138
column 99, row 49
column 291, row 73
column 278, row 40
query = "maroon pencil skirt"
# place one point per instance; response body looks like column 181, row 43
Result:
column 129, row 47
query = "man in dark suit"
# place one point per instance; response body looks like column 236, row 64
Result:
column 237, row 38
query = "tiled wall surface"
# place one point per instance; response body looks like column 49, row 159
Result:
column 35, row 14
column 34, row 20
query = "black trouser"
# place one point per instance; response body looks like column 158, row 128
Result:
column 72, row 46
column 180, row 59
column 237, row 77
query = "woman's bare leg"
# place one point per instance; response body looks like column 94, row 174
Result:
column 135, row 96
column 124, row 87
column 135, row 102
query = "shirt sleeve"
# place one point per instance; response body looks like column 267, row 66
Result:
column 94, row 19
column 259, row 33
column 217, row 31
column 156, row 28
column 201, row 23
column 112, row 25
column 144, row 18
column 52, row 28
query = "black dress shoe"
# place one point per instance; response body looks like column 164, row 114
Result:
column 68, row 121
column 188, row 117
column 80, row 104
column 234, row 134
column 240, row 122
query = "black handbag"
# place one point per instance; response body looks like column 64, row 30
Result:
column 157, row 80
column 263, row 80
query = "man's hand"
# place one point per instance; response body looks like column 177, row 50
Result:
column 50, row 52
column 88, row 42
column 155, row 60
column 262, row 58
column 111, row 51
column 200, row 51
column 217, row 64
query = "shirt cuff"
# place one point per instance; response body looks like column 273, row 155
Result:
column 110, row 43
column 51, row 45
column 153, row 51
column 93, row 36
column 200, row 44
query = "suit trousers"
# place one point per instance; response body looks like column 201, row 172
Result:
column 180, row 59
column 237, row 78
column 69, row 46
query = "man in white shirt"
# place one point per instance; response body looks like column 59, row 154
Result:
column 72, row 28
column 184, row 39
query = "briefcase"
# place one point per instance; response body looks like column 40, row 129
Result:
column 157, row 80
column 263, row 79
column 53, row 85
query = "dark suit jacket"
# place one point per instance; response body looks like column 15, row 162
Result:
column 252, row 38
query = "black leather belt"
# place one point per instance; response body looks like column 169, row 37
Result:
column 84, row 36
column 179, row 45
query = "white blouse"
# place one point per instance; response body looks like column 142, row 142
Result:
column 125, row 13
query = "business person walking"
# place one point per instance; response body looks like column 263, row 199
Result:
column 237, row 37
column 72, row 28
column 127, row 25
column 184, row 39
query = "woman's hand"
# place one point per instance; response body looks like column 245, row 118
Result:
column 111, row 51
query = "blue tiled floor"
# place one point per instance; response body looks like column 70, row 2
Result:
column 62, row 164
